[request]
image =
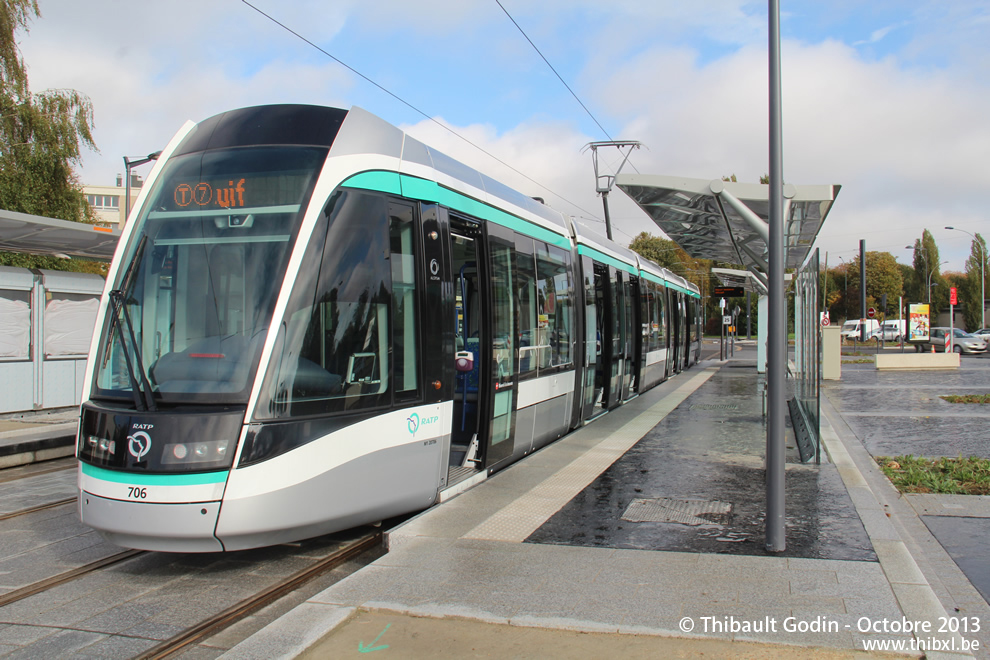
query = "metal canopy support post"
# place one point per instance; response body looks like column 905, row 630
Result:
column 755, row 222
column 777, row 335
column 603, row 182
column 862, row 289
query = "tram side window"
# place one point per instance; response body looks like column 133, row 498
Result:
column 554, row 300
column 336, row 355
column 404, row 318
column 544, row 297
column 530, row 344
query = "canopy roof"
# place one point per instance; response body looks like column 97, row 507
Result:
column 20, row 232
column 727, row 221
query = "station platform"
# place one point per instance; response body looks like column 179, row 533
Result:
column 35, row 436
column 641, row 535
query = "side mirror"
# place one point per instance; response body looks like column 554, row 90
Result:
column 464, row 361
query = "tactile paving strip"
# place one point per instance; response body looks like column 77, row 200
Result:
column 529, row 511
column 669, row 510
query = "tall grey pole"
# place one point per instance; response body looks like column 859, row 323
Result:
column 749, row 319
column 777, row 326
column 608, row 220
column 862, row 289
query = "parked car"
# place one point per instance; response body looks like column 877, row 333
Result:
column 962, row 342
column 852, row 328
column 890, row 330
column 983, row 334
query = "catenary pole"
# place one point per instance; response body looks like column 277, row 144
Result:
column 777, row 326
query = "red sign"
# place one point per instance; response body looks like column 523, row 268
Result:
column 953, row 299
column 871, row 312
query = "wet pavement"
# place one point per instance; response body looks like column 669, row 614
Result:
column 711, row 449
column 899, row 413
column 965, row 539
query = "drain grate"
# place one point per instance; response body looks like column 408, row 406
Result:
column 666, row 509
column 715, row 406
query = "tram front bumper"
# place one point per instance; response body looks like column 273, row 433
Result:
column 147, row 526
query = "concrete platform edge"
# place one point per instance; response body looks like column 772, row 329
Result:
column 914, row 594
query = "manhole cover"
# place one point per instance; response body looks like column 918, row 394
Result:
column 666, row 509
column 715, row 406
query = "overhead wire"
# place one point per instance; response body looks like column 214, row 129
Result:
column 559, row 77
column 412, row 107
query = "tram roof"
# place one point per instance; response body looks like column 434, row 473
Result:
column 728, row 221
column 34, row 234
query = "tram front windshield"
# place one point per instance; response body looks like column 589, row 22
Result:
column 204, row 268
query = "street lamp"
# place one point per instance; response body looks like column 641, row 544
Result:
column 983, row 277
column 128, row 164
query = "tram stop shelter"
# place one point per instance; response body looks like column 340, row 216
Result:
column 728, row 221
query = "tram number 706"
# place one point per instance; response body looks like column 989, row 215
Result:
column 137, row 493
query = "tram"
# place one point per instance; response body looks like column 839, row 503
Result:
column 313, row 321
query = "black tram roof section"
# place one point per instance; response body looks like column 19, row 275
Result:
column 287, row 124
column 33, row 234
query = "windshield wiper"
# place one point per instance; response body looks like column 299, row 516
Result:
column 140, row 389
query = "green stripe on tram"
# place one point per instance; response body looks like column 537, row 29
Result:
column 139, row 479
column 430, row 191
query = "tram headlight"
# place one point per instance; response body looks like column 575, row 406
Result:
column 197, row 455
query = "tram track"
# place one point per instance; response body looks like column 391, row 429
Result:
column 248, row 606
column 35, row 509
column 67, row 576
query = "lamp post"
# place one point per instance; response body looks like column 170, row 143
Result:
column 983, row 277
column 128, row 164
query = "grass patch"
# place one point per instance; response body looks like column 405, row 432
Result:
column 859, row 361
column 966, row 398
column 960, row 476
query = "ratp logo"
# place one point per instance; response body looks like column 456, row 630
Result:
column 412, row 423
column 139, row 444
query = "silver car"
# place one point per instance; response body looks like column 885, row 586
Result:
column 962, row 342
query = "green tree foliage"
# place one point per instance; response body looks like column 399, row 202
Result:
column 927, row 269
column 883, row 276
column 41, row 137
column 970, row 291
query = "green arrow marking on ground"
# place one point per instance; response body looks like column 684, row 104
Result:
column 368, row 649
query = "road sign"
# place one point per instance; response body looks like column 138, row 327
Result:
column 953, row 299
column 948, row 341
column 727, row 319
column 825, row 321
column 870, row 313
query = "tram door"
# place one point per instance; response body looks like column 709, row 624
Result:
column 484, row 394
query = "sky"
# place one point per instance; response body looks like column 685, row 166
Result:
column 888, row 98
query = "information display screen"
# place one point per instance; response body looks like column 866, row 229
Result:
column 236, row 192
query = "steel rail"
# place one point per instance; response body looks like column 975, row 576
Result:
column 250, row 605
column 67, row 576
column 34, row 509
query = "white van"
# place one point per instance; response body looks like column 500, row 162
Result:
column 852, row 329
column 892, row 330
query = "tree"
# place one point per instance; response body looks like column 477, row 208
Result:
column 41, row 135
column 927, row 266
column 882, row 277
column 970, row 292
